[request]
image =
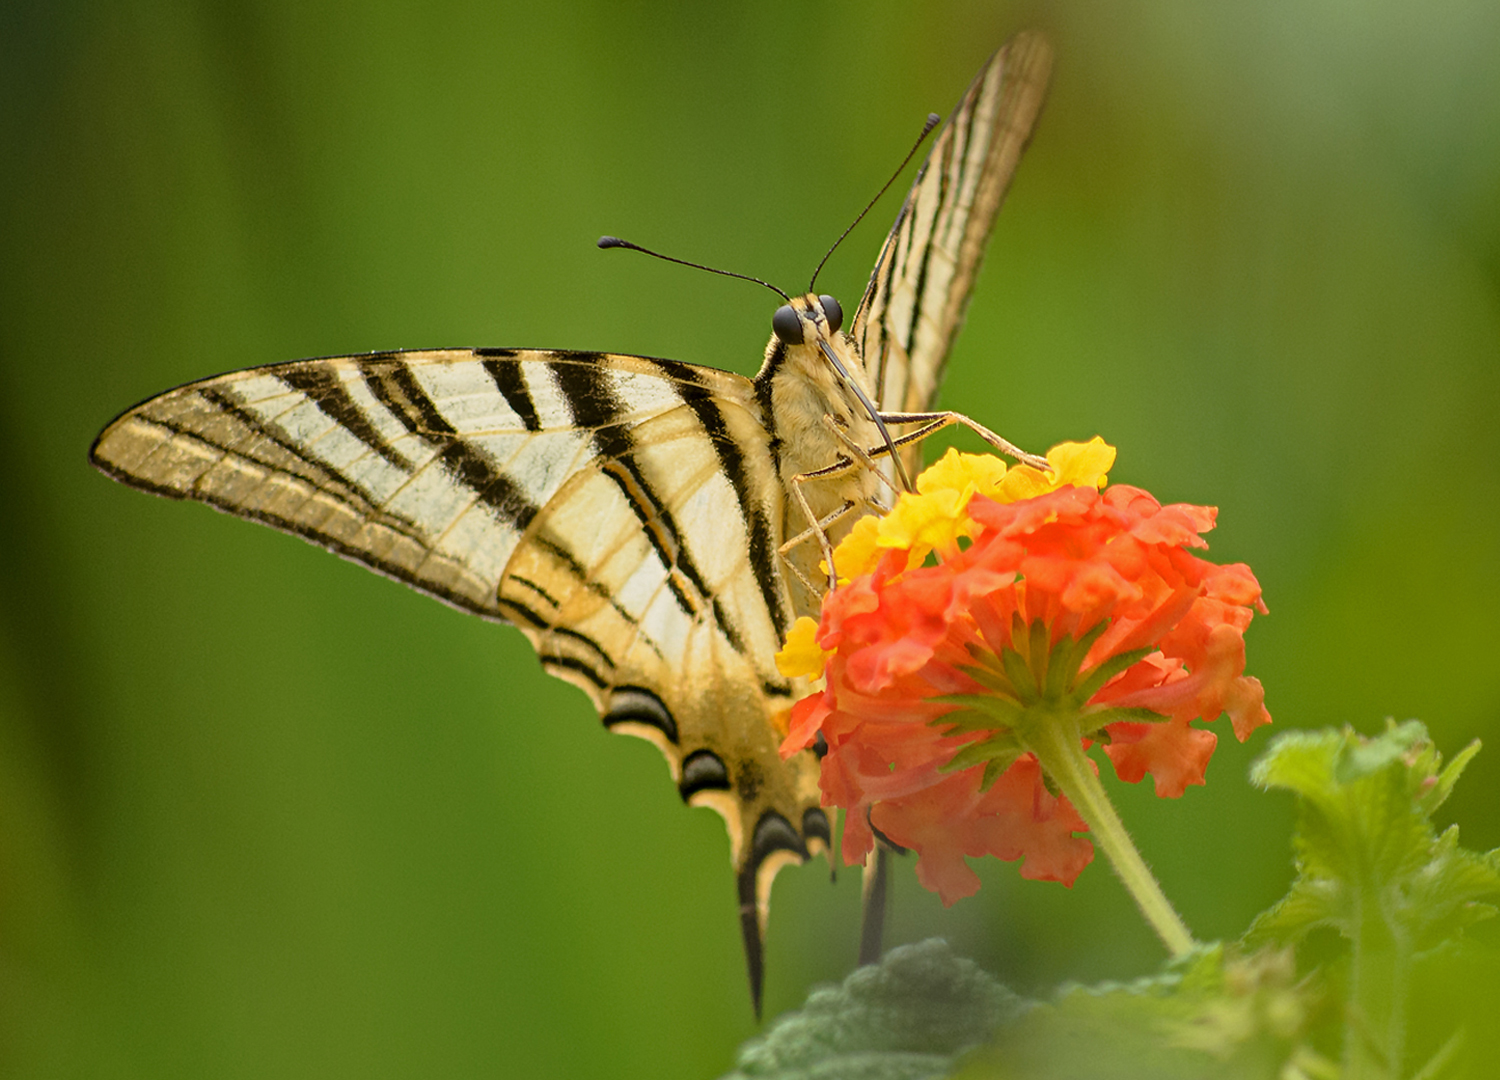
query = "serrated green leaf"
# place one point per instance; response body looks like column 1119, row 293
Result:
column 1237, row 1018
column 1298, row 761
column 1323, row 849
column 1445, row 896
column 1371, row 865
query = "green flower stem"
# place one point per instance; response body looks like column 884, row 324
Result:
column 1053, row 738
column 1374, row 1028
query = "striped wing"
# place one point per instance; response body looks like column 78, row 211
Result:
column 623, row 512
column 919, row 290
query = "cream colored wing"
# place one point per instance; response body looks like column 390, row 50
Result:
column 623, row 511
column 919, row 290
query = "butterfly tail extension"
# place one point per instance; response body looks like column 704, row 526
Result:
column 775, row 843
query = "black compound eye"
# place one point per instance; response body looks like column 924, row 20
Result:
column 787, row 325
column 832, row 312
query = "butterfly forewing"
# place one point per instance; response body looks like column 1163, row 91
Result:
column 623, row 511
column 919, row 290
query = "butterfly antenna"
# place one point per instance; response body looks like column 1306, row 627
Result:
column 616, row 242
column 933, row 120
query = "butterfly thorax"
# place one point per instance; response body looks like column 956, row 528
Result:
column 813, row 409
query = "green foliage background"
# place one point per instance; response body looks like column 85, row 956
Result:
column 265, row 814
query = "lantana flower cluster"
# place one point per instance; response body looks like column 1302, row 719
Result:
column 988, row 630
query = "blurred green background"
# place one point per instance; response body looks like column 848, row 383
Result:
column 263, row 813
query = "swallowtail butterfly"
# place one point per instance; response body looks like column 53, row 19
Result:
column 630, row 515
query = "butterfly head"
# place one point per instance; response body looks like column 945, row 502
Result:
column 807, row 320
column 811, row 352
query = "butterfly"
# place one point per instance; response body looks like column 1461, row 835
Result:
column 653, row 527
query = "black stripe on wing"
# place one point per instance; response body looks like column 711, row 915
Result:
column 328, row 392
column 758, row 527
column 640, row 705
column 512, row 387
column 353, row 494
column 595, row 407
column 773, row 834
column 952, row 202
column 394, row 385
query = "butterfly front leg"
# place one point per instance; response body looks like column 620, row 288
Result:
column 864, row 457
column 817, row 530
column 843, row 466
column 934, row 422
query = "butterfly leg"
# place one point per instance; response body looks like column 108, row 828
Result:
column 819, row 527
column 936, row 421
column 864, row 457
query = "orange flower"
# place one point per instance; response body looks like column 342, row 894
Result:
column 1053, row 611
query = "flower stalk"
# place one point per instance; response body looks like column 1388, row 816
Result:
column 1063, row 759
column 1042, row 698
column 1374, row 1028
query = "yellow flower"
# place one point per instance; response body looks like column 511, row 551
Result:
column 1070, row 463
column 936, row 516
column 959, row 471
column 931, row 520
column 803, row 657
column 856, row 553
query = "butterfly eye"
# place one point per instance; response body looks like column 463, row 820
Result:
column 787, row 325
column 832, row 312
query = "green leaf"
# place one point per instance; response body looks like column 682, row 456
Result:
column 1358, row 758
column 1440, row 790
column 1449, row 890
column 906, row 1018
column 1298, row 761
column 1309, row 904
column 1371, row 865
column 1211, row 1015
column 1364, row 832
column 922, row 1012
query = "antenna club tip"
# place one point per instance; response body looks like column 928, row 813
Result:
column 933, row 120
column 611, row 242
